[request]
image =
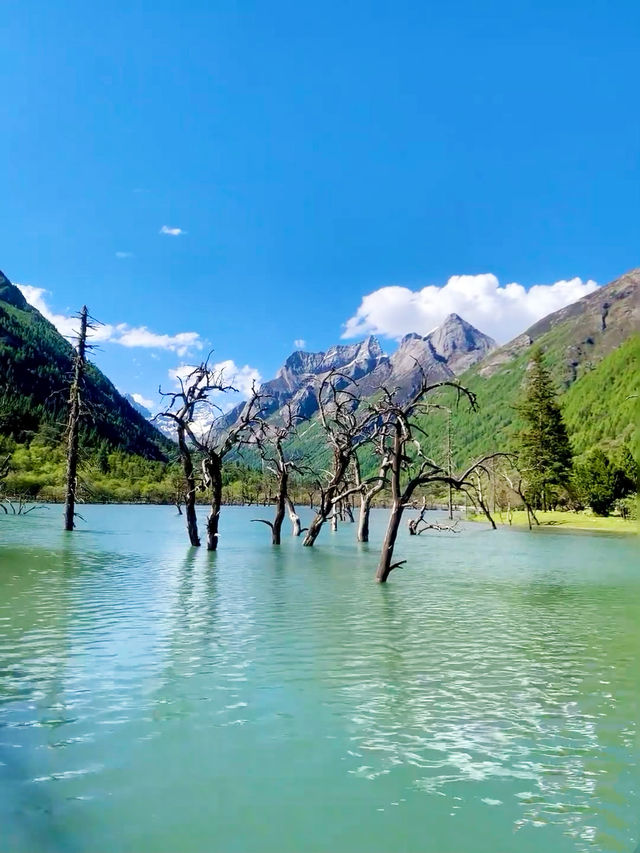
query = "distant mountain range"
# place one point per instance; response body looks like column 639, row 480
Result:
column 592, row 347
column 444, row 353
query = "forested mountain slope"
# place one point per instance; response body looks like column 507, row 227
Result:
column 592, row 348
column 603, row 407
column 35, row 366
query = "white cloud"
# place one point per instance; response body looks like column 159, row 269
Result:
column 299, row 343
column 66, row 325
column 171, row 232
column 242, row 378
column 121, row 333
column 500, row 311
column 143, row 401
column 229, row 373
column 122, row 255
column 140, row 336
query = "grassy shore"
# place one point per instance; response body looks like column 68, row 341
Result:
column 569, row 521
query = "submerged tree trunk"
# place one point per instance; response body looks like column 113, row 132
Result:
column 314, row 529
column 74, row 424
column 214, row 471
column 366, row 498
column 449, row 467
column 486, row 511
column 385, row 566
column 483, row 503
column 325, row 508
column 530, row 512
column 281, row 502
column 363, row 518
column 296, row 527
column 190, row 496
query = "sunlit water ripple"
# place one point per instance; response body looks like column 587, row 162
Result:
column 154, row 697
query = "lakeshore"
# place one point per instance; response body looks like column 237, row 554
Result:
column 566, row 520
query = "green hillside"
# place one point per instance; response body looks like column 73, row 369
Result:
column 602, row 409
column 592, row 349
column 123, row 457
column 35, row 366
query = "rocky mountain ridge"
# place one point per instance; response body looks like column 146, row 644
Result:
column 582, row 333
column 444, row 353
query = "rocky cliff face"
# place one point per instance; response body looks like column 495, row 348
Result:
column 460, row 344
column 442, row 354
column 142, row 410
column 581, row 334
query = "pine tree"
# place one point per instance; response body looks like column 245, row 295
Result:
column 596, row 482
column 628, row 471
column 544, row 448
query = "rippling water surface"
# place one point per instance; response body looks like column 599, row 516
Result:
column 157, row 698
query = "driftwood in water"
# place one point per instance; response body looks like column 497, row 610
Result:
column 419, row 524
column 19, row 508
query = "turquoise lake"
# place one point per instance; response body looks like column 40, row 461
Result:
column 155, row 697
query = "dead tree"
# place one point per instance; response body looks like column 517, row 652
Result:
column 21, row 507
column 368, row 490
column 294, row 518
column 215, row 446
column 345, row 430
column 193, row 398
column 184, row 405
column 449, row 465
column 516, row 484
column 419, row 524
column 409, row 467
column 73, row 422
column 271, row 439
column 475, row 490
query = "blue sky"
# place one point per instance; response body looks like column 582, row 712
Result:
column 312, row 156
